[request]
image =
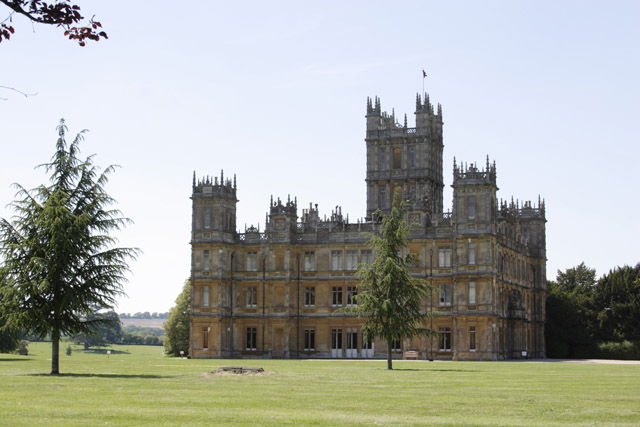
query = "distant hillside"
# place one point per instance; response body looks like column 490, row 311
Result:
column 146, row 323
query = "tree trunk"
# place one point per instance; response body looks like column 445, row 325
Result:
column 55, row 351
column 389, row 361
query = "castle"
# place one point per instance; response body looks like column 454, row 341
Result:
column 278, row 292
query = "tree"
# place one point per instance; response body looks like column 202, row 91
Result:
column 571, row 328
column 59, row 260
column 61, row 13
column 177, row 325
column 107, row 330
column 617, row 298
column 8, row 338
column 388, row 296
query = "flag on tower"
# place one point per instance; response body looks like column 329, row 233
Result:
column 424, row 73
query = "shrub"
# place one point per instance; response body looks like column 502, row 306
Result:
column 625, row 350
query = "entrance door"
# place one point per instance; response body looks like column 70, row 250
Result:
column 352, row 343
column 336, row 343
column 367, row 348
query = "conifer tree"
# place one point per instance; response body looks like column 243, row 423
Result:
column 388, row 296
column 58, row 260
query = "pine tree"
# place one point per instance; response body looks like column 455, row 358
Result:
column 177, row 325
column 388, row 296
column 58, row 260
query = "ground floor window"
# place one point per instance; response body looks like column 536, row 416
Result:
column 252, row 335
column 336, row 339
column 367, row 343
column 309, row 339
column 205, row 337
column 396, row 345
column 472, row 338
column 445, row 339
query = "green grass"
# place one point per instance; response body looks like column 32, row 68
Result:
column 137, row 385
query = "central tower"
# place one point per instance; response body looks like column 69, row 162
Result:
column 403, row 159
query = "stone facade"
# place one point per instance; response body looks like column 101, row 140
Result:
column 278, row 292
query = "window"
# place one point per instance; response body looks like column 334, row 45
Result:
column 309, row 339
column 351, row 260
column 445, row 339
column 309, row 296
column 397, row 158
column 445, row 294
column 252, row 261
column 205, row 296
column 472, row 293
column 207, row 218
column 367, row 343
column 412, row 157
column 382, row 198
column 471, row 253
column 366, row 256
column 444, row 257
column 309, row 261
column 381, row 158
column 352, row 291
column 336, row 260
column 471, row 207
column 396, row 345
column 336, row 339
column 336, row 296
column 205, row 338
column 251, row 338
column 252, row 297
column 472, row 338
column 207, row 260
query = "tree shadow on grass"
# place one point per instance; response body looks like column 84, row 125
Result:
column 103, row 351
column 17, row 359
column 121, row 376
column 434, row 370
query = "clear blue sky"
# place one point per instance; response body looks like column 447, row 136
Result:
column 276, row 93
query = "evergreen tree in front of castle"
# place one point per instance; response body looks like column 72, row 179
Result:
column 388, row 297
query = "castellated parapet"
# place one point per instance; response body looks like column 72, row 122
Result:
column 279, row 292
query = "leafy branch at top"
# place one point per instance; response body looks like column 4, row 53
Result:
column 61, row 13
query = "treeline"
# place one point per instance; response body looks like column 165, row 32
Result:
column 589, row 317
column 144, row 315
column 109, row 330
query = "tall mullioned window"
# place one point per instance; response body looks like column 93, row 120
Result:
column 444, row 257
column 205, row 296
column 205, row 338
column 309, row 296
column 207, row 260
column 472, row 338
column 445, row 339
column 352, row 292
column 397, row 158
column 309, row 261
column 336, row 260
column 444, row 294
column 366, row 256
column 252, row 339
column 411, row 158
column 471, row 207
column 471, row 253
column 351, row 260
column 252, row 296
column 382, row 158
column 472, row 293
column 207, row 218
column 309, row 339
column 252, row 261
column 336, row 296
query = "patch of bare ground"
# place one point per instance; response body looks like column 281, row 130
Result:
column 239, row 370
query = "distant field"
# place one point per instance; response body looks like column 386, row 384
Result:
column 137, row 385
column 147, row 323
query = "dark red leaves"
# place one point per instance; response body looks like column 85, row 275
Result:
column 62, row 13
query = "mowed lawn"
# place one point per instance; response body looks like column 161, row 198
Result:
column 138, row 385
